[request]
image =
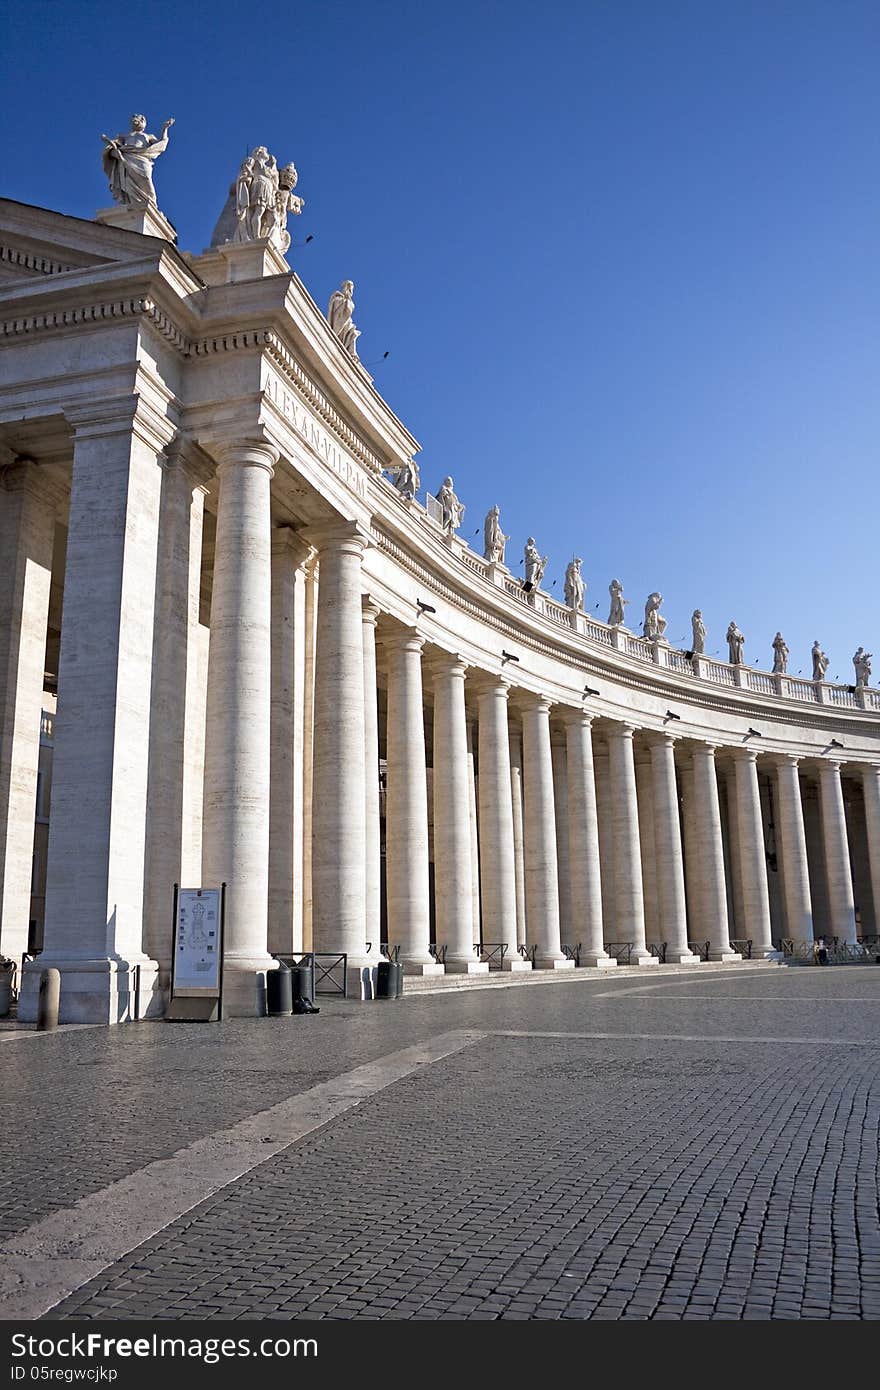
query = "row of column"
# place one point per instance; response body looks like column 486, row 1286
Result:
column 120, row 675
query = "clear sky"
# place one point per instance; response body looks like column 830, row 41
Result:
column 623, row 255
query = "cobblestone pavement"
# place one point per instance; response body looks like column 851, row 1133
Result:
column 700, row 1147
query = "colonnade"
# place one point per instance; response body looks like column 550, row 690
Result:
column 553, row 828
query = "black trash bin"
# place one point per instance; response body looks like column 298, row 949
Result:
column 389, row 979
column 301, row 987
column 279, row 995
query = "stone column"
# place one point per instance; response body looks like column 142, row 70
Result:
column 668, row 852
column 707, row 817
column 739, row 921
column 837, row 865
column 453, row 881
column 560, row 806
column 497, row 863
column 542, row 881
column 95, row 876
column 795, row 872
column 627, row 853
column 27, row 529
column 338, row 881
column 601, row 770
column 645, row 798
column 748, row 829
column 239, row 720
column 406, row 807
column 177, row 710
column 583, row 832
column 310, row 643
column 871, row 791
column 373, row 866
column 519, row 862
column 289, row 556
column 475, row 847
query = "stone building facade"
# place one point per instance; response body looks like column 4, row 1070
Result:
column 276, row 670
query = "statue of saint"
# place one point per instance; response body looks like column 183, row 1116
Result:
column 821, row 662
column 339, row 312
column 494, row 539
column 128, row 162
column 452, row 509
column 616, row 614
column 535, row 565
column 406, row 479
column 698, row 628
column 862, row 666
column 574, row 585
column 654, row 625
column 259, row 202
column 780, row 655
column 735, row 644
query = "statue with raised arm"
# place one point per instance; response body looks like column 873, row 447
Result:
column 339, row 312
column 574, row 585
column 616, row 615
column 452, row 511
column 654, row 625
column 494, row 539
column 821, row 661
column 735, row 644
column 259, row 202
column 536, row 563
column 128, row 162
column 780, row 655
column 698, row 629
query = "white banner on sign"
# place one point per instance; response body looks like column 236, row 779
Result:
column 197, row 941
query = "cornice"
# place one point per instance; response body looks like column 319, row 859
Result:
column 30, row 260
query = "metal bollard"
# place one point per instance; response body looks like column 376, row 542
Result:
column 49, row 999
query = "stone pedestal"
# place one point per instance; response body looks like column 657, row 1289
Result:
column 148, row 221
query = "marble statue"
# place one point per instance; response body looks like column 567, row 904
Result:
column 616, row 615
column 128, row 162
column 821, row 662
column 406, row 479
column 735, row 644
column 862, row 663
column 452, row 510
column 574, row 585
column 654, row 625
column 535, row 564
column 259, row 203
column 780, row 655
column 698, row 629
column 494, row 539
column 339, row 312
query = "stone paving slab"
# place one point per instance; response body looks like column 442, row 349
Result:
column 534, row 1176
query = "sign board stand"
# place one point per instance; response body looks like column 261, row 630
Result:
column 197, row 955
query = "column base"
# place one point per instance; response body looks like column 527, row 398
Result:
column 682, row 958
column 642, row 958
column 768, row 954
column 467, row 967
column 599, row 962
column 515, row 964
column 418, row 967
column 360, row 982
column 553, row 963
column 724, row 957
column 95, row 991
column 244, row 992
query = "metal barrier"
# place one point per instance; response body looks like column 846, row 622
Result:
column 621, row 950
column 838, row 952
column 492, row 952
column 529, row 953
column 390, row 952
column 572, row 952
column 743, row 947
column 438, row 952
column 700, row 948
column 658, row 949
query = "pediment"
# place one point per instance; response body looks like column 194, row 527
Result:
column 37, row 244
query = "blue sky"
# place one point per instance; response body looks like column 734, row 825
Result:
column 623, row 255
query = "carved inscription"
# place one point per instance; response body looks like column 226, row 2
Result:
column 319, row 440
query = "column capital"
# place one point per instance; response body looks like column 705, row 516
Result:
column 340, row 535
column 405, row 639
column 617, row 729
column 184, row 454
column 786, row 760
column 246, row 453
column 527, row 702
column 370, row 610
column 827, row 765
column 744, row 755
column 580, row 718
column 441, row 663
column 287, row 541
column 129, row 414
column 661, row 739
column 703, row 746
column 24, row 474
column 488, row 683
